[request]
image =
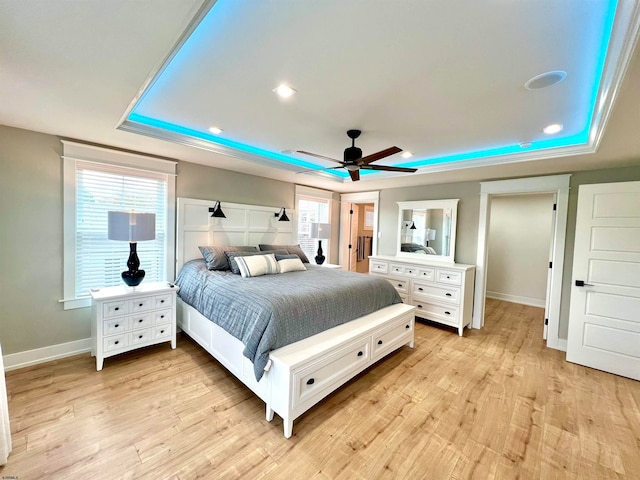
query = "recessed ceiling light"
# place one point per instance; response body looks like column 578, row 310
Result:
column 288, row 152
column 406, row 154
column 553, row 128
column 525, row 145
column 545, row 80
column 215, row 130
column 284, row 91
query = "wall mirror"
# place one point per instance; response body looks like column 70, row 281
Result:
column 427, row 229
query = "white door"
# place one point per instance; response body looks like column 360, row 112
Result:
column 547, row 298
column 604, row 319
column 353, row 238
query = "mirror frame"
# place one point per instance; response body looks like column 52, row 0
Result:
column 428, row 205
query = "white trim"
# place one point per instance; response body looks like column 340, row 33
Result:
column 359, row 197
column 36, row 356
column 313, row 192
column 558, row 184
column 507, row 297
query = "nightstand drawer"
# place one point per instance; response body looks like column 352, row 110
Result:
column 140, row 336
column 162, row 316
column 116, row 326
column 141, row 320
column 114, row 309
column 115, row 342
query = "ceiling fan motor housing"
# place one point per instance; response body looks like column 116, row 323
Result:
column 352, row 154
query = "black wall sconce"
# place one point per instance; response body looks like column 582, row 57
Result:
column 282, row 214
column 413, row 226
column 217, row 211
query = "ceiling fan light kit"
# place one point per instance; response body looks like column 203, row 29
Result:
column 353, row 161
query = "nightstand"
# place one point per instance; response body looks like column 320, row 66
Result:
column 125, row 318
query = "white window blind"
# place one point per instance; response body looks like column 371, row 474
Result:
column 99, row 189
column 312, row 210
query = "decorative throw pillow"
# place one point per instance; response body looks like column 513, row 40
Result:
column 289, row 249
column 291, row 265
column 288, row 255
column 216, row 258
column 257, row 265
column 232, row 255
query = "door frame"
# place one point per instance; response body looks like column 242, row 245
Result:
column 360, row 197
column 558, row 184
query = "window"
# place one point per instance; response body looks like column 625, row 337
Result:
column 92, row 189
column 313, row 206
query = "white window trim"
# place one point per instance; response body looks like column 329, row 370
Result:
column 74, row 152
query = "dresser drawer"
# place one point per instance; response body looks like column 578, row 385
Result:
column 162, row 316
column 141, row 304
column 389, row 339
column 400, row 285
column 449, row 276
column 140, row 336
column 141, row 320
column 114, row 309
column 378, row 267
column 162, row 331
column 115, row 342
column 430, row 291
column 116, row 325
column 162, row 301
column 427, row 274
column 318, row 379
column 396, row 269
column 440, row 313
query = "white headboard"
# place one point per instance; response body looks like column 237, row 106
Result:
column 244, row 225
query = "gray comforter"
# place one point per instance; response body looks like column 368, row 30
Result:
column 271, row 311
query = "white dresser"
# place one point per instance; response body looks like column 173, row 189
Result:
column 441, row 292
column 126, row 318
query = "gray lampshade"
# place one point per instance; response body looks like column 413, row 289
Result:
column 321, row 231
column 132, row 226
column 430, row 234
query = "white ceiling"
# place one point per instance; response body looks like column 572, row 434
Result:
column 434, row 77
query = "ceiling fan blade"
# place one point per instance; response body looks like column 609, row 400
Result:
column 377, row 156
column 311, row 170
column 355, row 175
column 318, row 156
column 388, row 169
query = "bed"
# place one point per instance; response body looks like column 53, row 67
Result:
column 290, row 363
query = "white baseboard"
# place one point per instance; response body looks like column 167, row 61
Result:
column 532, row 302
column 27, row 358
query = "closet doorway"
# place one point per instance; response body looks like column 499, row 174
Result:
column 520, row 250
column 358, row 230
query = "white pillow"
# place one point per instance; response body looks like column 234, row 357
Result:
column 255, row 266
column 290, row 265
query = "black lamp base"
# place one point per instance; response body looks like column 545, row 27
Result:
column 133, row 277
column 320, row 258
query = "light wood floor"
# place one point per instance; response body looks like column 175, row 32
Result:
column 493, row 404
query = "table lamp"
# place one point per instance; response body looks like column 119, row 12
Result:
column 132, row 227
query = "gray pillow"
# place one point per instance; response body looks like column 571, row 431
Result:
column 216, row 258
column 287, row 256
column 288, row 248
column 232, row 255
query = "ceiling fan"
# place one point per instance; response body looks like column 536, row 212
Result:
column 354, row 161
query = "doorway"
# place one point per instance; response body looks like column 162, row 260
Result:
column 358, row 230
column 554, row 184
column 519, row 250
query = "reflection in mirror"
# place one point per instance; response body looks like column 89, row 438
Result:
column 427, row 229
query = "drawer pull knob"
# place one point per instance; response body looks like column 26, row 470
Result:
column 161, row 316
column 419, row 306
column 379, row 342
column 447, row 294
column 161, row 301
column 400, row 285
column 116, row 325
column 140, row 321
column 360, row 353
column 161, row 331
column 140, row 304
column 116, row 342
column 447, row 313
column 117, row 308
column 139, row 336
column 407, row 326
column 420, row 288
column 311, row 381
column 448, row 276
